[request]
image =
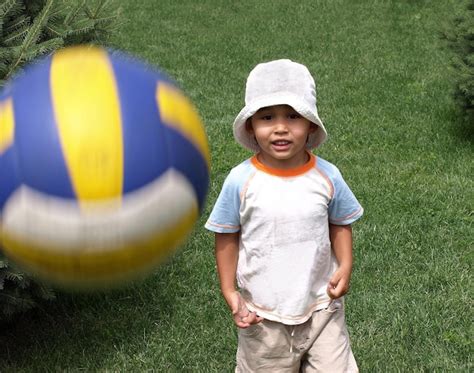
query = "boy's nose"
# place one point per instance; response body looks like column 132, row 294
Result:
column 281, row 126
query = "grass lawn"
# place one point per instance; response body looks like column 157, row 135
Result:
column 384, row 95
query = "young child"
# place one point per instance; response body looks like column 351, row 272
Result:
column 282, row 226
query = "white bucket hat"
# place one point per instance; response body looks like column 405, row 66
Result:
column 279, row 82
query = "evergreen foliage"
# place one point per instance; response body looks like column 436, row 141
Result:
column 19, row 292
column 32, row 28
column 28, row 30
column 461, row 42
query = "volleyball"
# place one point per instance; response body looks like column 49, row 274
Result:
column 104, row 168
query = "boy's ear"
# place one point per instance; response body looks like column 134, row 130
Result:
column 313, row 128
column 248, row 126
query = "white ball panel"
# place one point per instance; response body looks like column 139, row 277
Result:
column 61, row 224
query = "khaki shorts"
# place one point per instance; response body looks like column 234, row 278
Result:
column 321, row 344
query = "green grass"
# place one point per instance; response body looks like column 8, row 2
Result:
column 384, row 95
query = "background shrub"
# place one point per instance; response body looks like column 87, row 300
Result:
column 461, row 41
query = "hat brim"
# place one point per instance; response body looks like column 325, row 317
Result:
column 247, row 140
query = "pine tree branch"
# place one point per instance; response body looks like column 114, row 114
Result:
column 19, row 22
column 33, row 34
column 81, row 26
column 56, row 31
column 74, row 12
column 95, row 13
column 43, row 48
column 17, row 35
column 6, row 7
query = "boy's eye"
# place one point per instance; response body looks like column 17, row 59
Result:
column 294, row 116
column 266, row 117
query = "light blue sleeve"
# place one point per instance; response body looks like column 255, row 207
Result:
column 225, row 216
column 344, row 208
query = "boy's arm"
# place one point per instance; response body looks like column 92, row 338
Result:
column 227, row 255
column 341, row 242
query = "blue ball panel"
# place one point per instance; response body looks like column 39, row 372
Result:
column 8, row 175
column 145, row 153
column 186, row 158
column 40, row 159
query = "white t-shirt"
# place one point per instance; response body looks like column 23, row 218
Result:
column 285, row 257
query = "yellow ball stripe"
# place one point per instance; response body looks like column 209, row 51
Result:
column 98, row 269
column 7, row 125
column 178, row 112
column 87, row 112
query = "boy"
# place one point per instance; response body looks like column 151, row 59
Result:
column 282, row 226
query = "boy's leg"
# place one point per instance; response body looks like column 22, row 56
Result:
column 330, row 350
column 265, row 347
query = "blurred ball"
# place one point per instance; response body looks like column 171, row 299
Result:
column 104, row 168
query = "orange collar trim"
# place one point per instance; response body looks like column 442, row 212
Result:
column 285, row 172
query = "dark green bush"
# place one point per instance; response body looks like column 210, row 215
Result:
column 19, row 292
column 460, row 40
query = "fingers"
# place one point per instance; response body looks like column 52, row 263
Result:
column 334, row 293
column 337, row 287
column 252, row 318
column 243, row 318
column 245, row 321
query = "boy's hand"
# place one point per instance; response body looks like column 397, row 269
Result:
column 339, row 283
column 243, row 318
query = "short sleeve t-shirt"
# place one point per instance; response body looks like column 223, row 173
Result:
column 285, row 257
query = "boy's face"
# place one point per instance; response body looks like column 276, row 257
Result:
column 281, row 133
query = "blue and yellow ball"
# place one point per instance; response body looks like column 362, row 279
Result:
column 104, row 168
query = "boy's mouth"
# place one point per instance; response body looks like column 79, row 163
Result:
column 281, row 145
column 281, row 142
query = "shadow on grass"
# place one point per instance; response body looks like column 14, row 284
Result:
column 78, row 330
